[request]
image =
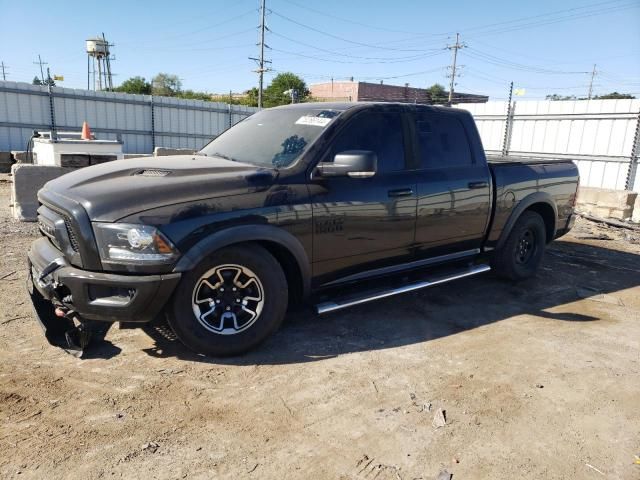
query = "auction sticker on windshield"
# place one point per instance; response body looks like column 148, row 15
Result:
column 315, row 121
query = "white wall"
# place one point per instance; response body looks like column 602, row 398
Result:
column 598, row 135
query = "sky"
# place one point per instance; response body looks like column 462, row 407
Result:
column 544, row 47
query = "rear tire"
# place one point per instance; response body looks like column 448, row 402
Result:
column 230, row 302
column 521, row 254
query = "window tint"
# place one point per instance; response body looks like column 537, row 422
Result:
column 443, row 141
column 378, row 132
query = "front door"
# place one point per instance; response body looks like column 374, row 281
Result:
column 365, row 223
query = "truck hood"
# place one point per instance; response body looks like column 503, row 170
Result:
column 114, row 190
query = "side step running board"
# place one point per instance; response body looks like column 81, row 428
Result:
column 331, row 306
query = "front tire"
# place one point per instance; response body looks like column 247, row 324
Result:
column 230, row 302
column 521, row 254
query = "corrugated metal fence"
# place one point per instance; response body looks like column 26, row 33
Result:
column 142, row 121
column 601, row 135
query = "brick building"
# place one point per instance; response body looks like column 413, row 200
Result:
column 351, row 91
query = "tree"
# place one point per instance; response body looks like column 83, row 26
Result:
column 193, row 95
column 438, row 94
column 135, row 85
column 608, row 96
column 556, row 97
column 614, row 95
column 275, row 95
column 251, row 99
column 45, row 82
column 166, row 84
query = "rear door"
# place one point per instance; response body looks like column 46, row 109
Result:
column 453, row 186
column 365, row 223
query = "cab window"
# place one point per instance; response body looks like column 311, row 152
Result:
column 378, row 132
column 442, row 141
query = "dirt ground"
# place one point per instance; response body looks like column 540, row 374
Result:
column 539, row 380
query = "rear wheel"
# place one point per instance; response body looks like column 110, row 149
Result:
column 521, row 254
column 230, row 302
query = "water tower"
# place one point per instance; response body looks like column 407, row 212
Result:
column 99, row 61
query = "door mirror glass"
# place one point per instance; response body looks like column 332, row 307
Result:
column 351, row 163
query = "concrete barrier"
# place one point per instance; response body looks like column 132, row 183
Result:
column 5, row 162
column 136, row 155
column 163, row 151
column 27, row 180
column 22, row 156
column 635, row 216
column 605, row 203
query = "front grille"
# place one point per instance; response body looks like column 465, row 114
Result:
column 73, row 240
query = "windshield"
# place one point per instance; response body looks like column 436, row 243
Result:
column 272, row 138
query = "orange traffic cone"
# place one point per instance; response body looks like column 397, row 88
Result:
column 86, row 132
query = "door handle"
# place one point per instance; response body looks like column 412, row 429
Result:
column 401, row 192
column 478, row 185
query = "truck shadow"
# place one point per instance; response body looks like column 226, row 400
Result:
column 570, row 272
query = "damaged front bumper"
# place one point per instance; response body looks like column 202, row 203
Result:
column 73, row 304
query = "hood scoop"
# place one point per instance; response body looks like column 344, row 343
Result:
column 152, row 172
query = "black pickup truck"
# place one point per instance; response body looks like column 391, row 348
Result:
column 334, row 204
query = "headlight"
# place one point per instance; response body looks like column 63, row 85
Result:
column 133, row 244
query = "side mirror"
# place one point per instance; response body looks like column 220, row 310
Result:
column 352, row 163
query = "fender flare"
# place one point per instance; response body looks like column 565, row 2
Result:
column 249, row 233
column 526, row 202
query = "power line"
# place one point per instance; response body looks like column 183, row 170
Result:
column 351, row 21
column 494, row 60
column 191, row 32
column 351, row 62
column 541, row 15
column 551, row 21
column 337, row 37
column 190, row 44
column 369, row 77
column 394, row 59
column 615, row 78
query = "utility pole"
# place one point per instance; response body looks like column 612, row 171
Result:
column 262, row 13
column 261, row 61
column 593, row 74
column 41, row 63
column 4, row 75
column 455, row 49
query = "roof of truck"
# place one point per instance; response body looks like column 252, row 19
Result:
column 343, row 106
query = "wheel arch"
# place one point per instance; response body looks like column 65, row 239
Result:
column 540, row 202
column 286, row 249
